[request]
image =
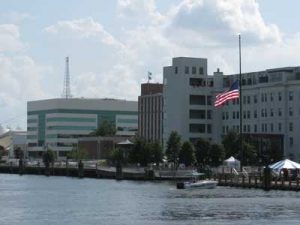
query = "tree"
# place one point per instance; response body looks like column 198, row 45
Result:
column 117, row 156
column 106, row 128
column 187, row 154
column 156, row 152
column 18, row 152
column 202, row 148
column 231, row 143
column 48, row 157
column 77, row 154
column 216, row 155
column 173, row 147
column 2, row 151
column 135, row 153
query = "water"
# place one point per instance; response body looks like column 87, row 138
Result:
column 32, row 200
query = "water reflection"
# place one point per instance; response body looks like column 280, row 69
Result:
column 59, row 200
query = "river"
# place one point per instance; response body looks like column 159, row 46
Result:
column 35, row 200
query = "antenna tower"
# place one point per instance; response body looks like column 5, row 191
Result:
column 67, row 90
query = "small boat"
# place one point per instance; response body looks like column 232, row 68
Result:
column 197, row 183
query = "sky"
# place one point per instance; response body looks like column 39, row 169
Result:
column 112, row 44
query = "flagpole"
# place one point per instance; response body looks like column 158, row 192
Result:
column 241, row 103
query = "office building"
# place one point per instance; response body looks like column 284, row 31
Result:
column 270, row 98
column 57, row 124
column 150, row 105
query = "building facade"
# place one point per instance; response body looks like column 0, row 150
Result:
column 12, row 140
column 150, row 105
column 270, row 98
column 58, row 123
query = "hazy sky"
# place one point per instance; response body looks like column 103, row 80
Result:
column 113, row 43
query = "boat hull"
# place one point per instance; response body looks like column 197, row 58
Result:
column 206, row 184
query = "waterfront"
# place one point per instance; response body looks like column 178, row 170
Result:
column 61, row 200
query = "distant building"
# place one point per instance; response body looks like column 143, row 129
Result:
column 270, row 98
column 58, row 123
column 99, row 147
column 150, row 106
column 12, row 140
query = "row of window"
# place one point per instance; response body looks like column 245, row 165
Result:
column 264, row 113
column 193, row 70
column 200, row 128
column 200, row 114
column 264, row 128
column 70, row 119
column 200, row 100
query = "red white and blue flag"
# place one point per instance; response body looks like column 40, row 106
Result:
column 231, row 93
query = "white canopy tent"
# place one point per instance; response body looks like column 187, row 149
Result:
column 285, row 164
column 232, row 162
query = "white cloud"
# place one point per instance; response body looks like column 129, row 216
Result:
column 83, row 28
column 10, row 38
column 15, row 17
column 144, row 10
column 217, row 22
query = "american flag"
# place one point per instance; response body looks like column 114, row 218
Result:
column 231, row 93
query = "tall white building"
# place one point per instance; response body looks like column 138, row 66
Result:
column 270, row 98
column 58, row 123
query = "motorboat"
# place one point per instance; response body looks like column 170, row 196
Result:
column 196, row 183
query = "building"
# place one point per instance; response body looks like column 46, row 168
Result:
column 150, row 106
column 12, row 140
column 58, row 123
column 270, row 98
column 187, row 98
column 99, row 147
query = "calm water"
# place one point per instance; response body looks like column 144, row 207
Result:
column 32, row 200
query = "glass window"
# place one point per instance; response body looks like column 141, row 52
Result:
column 187, row 70
column 176, row 70
column 290, row 126
column 201, row 70
column 271, row 112
column 255, row 113
column 193, row 70
column 271, row 97
column 291, row 94
column 279, row 112
column 290, row 111
column 255, row 99
column 291, row 140
column 248, row 99
column 279, row 96
column 279, row 127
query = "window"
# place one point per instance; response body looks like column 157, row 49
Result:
column 197, row 99
column 262, row 113
column 244, row 99
column 193, row 70
column 233, row 115
column 209, row 114
column 266, row 127
column 209, row 128
column 279, row 96
column 197, row 114
column 227, row 116
column 209, row 102
column 197, row 128
column 272, row 127
column 244, row 128
column 248, row 128
column 223, row 115
column 279, row 112
column 271, row 112
column 271, row 97
column 291, row 140
column 290, row 111
column 279, row 127
column 187, row 70
column 248, row 99
column 201, row 70
column 290, row 126
column 237, row 115
column 255, row 128
column 262, row 98
column 255, row 99
column 248, row 114
column 291, row 94
column 244, row 114
column 176, row 70
column 255, row 113
column 262, row 127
